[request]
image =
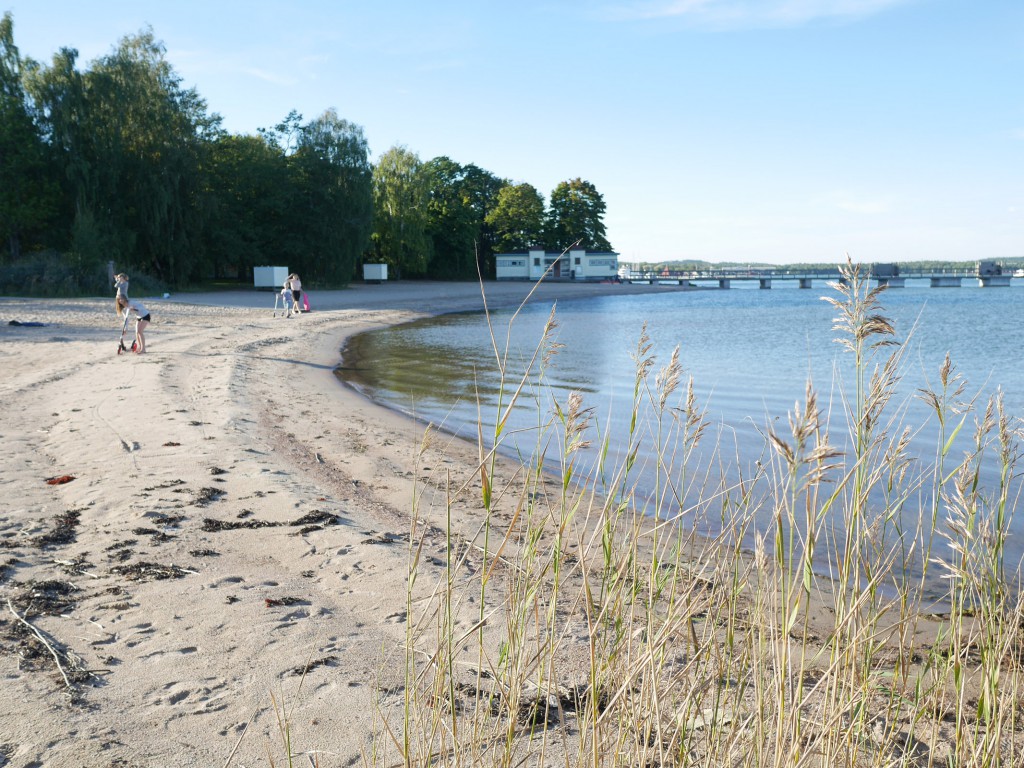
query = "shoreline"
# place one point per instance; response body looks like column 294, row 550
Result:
column 235, row 512
column 231, row 530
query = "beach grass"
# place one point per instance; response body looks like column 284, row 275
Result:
column 782, row 615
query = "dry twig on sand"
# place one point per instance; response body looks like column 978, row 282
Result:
column 49, row 646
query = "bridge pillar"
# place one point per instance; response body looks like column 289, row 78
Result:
column 766, row 282
column 994, row 281
column 945, row 281
column 893, row 282
column 805, row 282
column 723, row 282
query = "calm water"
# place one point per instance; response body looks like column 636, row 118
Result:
column 750, row 353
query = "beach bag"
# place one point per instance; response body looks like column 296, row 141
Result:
column 305, row 302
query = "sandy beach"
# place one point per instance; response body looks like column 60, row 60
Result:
column 217, row 554
column 221, row 514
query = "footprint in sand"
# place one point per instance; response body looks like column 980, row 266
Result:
column 145, row 629
column 227, row 580
column 205, row 699
column 175, row 698
column 183, row 651
column 354, row 570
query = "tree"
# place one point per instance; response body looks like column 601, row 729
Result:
column 452, row 222
column 333, row 179
column 323, row 211
column 29, row 193
column 57, row 94
column 147, row 138
column 518, row 218
column 247, row 195
column 575, row 214
column 400, row 199
column 131, row 143
column 481, row 189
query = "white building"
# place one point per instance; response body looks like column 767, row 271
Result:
column 577, row 264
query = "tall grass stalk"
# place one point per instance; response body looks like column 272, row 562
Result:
column 772, row 615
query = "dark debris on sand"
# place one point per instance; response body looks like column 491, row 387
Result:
column 121, row 551
column 162, row 486
column 212, row 526
column 387, row 538
column 322, row 662
column 45, row 598
column 35, row 649
column 273, row 602
column 146, row 571
column 316, row 517
column 76, row 566
column 7, row 567
column 35, row 655
column 207, row 496
column 157, row 536
column 63, row 531
column 313, row 521
column 170, row 521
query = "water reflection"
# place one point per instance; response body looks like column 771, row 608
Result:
column 750, row 354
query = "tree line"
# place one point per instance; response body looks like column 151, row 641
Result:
column 120, row 162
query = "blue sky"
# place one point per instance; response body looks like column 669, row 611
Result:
column 726, row 130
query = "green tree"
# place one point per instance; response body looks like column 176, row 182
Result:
column 481, row 188
column 452, row 222
column 576, row 214
column 149, row 141
column 333, row 181
column 324, row 213
column 400, row 199
column 58, row 98
column 29, row 193
column 131, row 142
column 246, row 200
column 518, row 218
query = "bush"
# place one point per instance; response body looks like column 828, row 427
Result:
column 49, row 274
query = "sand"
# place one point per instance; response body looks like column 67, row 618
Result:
column 235, row 515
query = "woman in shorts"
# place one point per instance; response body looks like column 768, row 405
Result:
column 142, row 319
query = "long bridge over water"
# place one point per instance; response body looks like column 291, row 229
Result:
column 988, row 275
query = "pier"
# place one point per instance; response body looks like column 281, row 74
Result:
column 988, row 274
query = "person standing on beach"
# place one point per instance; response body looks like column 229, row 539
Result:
column 142, row 319
column 287, row 298
column 296, row 292
column 121, row 284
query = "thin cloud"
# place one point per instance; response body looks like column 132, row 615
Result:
column 752, row 13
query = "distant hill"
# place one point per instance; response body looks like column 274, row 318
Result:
column 1015, row 262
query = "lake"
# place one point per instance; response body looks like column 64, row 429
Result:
column 750, row 354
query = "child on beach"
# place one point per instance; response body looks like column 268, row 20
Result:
column 142, row 319
column 121, row 284
column 287, row 299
